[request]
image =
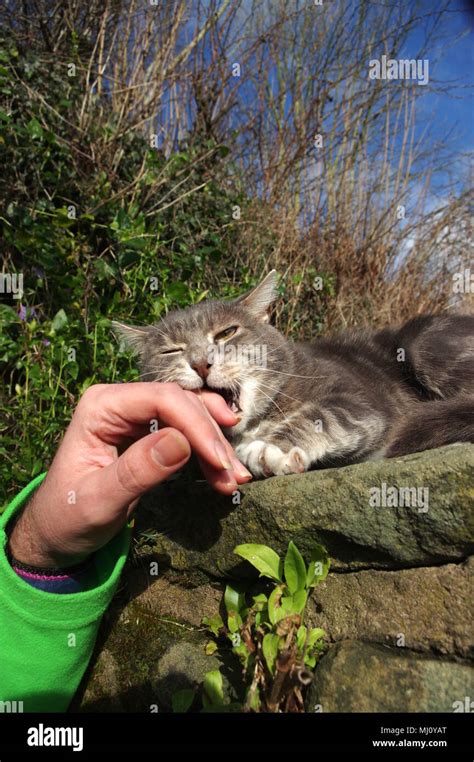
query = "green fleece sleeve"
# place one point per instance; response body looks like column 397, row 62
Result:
column 46, row 639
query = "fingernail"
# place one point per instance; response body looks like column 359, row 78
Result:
column 170, row 449
column 228, row 478
column 222, row 455
column 240, row 469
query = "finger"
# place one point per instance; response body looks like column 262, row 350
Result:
column 222, row 481
column 111, row 412
column 145, row 464
column 218, row 408
column 240, row 471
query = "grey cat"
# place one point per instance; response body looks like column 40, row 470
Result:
column 333, row 401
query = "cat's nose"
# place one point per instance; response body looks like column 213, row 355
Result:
column 202, row 368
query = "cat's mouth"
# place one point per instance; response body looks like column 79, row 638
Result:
column 231, row 396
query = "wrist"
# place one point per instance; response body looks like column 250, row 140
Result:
column 28, row 545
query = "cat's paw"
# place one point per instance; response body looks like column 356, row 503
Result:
column 269, row 460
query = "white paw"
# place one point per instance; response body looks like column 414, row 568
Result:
column 269, row 460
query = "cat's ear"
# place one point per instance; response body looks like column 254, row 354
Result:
column 133, row 336
column 259, row 299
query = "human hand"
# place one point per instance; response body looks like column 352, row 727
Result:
column 108, row 459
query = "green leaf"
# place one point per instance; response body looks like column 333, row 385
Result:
column 243, row 653
column 181, row 700
column 295, row 569
column 287, row 605
column 59, row 321
column 177, row 291
column 275, row 611
column 263, row 558
column 212, row 686
column 301, row 637
column 105, row 271
column 37, row 467
column 234, row 601
column 8, row 315
column 270, row 650
column 214, row 623
column 210, row 648
column 318, row 566
column 34, row 129
column 234, row 621
column 201, row 296
column 294, row 604
column 260, row 600
column 299, row 601
column 315, row 634
column 73, row 370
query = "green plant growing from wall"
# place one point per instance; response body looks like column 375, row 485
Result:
column 276, row 649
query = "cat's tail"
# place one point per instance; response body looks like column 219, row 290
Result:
column 433, row 424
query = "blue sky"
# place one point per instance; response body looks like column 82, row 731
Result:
column 451, row 115
column 445, row 119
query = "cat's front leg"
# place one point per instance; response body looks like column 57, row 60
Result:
column 267, row 459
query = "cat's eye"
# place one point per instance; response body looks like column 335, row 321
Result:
column 226, row 333
column 172, row 351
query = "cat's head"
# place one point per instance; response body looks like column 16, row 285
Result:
column 226, row 346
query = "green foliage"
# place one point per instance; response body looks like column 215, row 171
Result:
column 213, row 695
column 277, row 651
column 263, row 558
column 101, row 226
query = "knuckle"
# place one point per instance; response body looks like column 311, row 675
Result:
column 92, row 394
column 171, row 388
column 196, row 399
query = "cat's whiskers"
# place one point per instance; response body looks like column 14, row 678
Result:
column 273, row 403
column 283, row 394
column 162, row 379
column 268, row 397
column 276, row 389
column 282, row 373
column 149, row 372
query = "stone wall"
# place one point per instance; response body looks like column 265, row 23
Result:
column 396, row 606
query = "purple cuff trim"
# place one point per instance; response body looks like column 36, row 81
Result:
column 30, row 575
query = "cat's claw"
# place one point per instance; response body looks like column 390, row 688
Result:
column 269, row 460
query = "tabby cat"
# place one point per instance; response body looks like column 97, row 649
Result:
column 350, row 397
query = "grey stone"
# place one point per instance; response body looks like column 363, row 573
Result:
column 184, row 665
column 362, row 677
column 425, row 609
column 199, row 528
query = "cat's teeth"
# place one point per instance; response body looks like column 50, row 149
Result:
column 234, row 408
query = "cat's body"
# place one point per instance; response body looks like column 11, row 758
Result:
column 334, row 401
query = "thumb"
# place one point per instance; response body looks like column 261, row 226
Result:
column 145, row 464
